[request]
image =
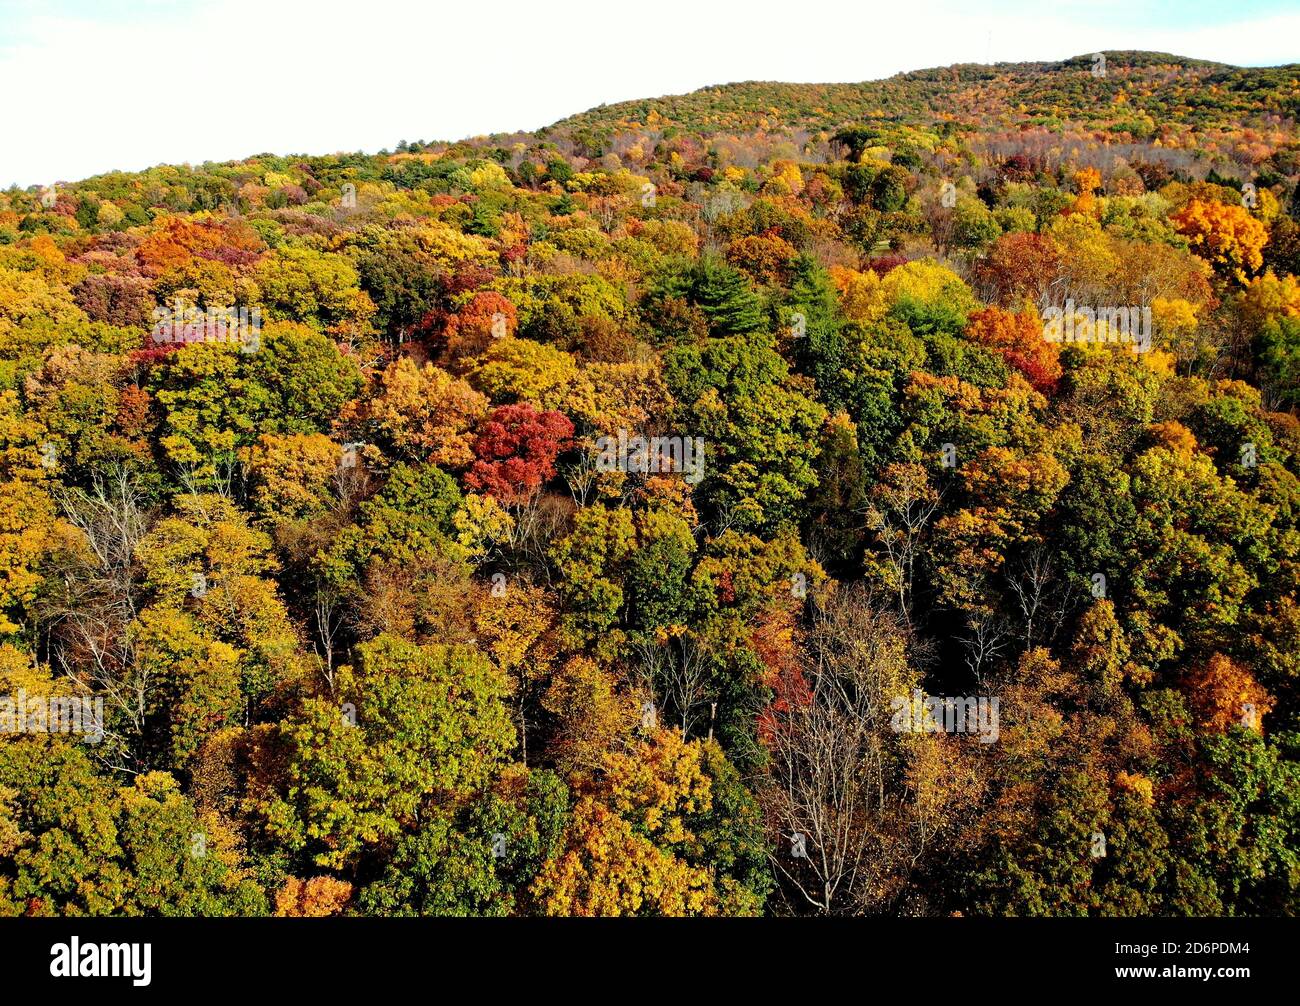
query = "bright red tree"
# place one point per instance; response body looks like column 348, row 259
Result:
column 516, row 451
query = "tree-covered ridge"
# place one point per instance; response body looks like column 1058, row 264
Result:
column 1145, row 95
column 859, row 514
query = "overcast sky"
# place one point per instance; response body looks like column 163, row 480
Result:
column 96, row 85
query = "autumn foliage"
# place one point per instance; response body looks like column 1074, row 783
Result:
column 684, row 510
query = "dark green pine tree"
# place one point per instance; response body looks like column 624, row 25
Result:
column 726, row 298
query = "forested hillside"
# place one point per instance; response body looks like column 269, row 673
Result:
column 777, row 499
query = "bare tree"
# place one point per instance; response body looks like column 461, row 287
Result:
column 677, row 668
column 328, row 620
column 989, row 635
column 831, row 790
column 1030, row 587
column 217, row 476
column 581, row 477
column 1039, row 595
column 902, row 506
column 94, row 602
column 351, row 478
column 538, row 521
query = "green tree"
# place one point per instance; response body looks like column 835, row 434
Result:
column 413, row 725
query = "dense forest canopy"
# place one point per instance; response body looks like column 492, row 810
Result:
column 777, row 499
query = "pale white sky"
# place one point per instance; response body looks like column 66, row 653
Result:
column 95, row 85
